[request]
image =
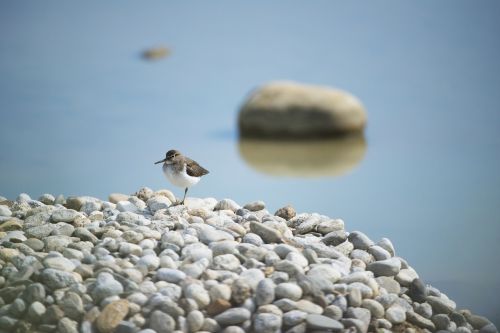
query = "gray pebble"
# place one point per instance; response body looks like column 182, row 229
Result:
column 67, row 325
column 395, row 314
column 360, row 240
column 320, row 322
column 288, row 290
column 267, row 323
column 161, row 322
column 265, row 292
column 388, row 267
column 233, row 316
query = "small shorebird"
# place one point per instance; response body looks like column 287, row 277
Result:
column 181, row 170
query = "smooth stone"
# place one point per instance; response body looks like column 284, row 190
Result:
column 67, row 325
column 294, row 317
column 488, row 328
column 267, row 323
column 126, row 206
column 389, row 284
column 40, row 231
column 440, row 305
column 323, row 276
column 105, row 286
column 362, row 314
column 233, row 329
column 335, row 238
column 255, row 206
column 72, row 305
column 420, row 321
column 455, row 316
column 220, row 291
column 395, row 314
column 379, row 253
column 126, row 327
column 376, row 309
column 59, row 263
column 56, row 279
column 252, row 238
column 227, row 204
column 158, row 202
column 320, row 322
column 85, row 235
column 218, row 306
column 64, row 215
column 333, row 311
column 355, row 297
column 388, row 267
column 170, row 275
column 360, row 240
column 5, row 211
column 233, row 316
column 208, row 234
column 308, row 306
column 265, row 292
column 287, row 212
column 425, row 310
column 441, row 321
column 297, row 258
column 197, row 293
column 268, row 234
column 150, row 261
column 112, row 315
column 329, row 226
column 288, row 290
column 227, row 262
column 34, row 293
column 295, row 110
column 11, row 225
column 252, row 276
column 17, row 308
column 353, row 323
column 417, row 291
column 161, row 322
column 195, row 321
column 406, row 276
column 36, row 311
column 386, row 244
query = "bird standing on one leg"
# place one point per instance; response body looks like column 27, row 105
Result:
column 181, row 170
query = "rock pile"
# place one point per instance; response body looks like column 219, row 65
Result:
column 138, row 264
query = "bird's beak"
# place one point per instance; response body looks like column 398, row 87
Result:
column 161, row 161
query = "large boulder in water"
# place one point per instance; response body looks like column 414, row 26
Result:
column 291, row 110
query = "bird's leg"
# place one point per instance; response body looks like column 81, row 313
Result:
column 185, row 192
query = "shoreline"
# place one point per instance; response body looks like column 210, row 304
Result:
column 138, row 264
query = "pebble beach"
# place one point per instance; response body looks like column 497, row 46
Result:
column 138, row 263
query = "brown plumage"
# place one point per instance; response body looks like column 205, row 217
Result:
column 181, row 170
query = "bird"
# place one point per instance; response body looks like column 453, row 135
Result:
column 181, row 171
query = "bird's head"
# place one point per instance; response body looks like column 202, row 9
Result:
column 169, row 156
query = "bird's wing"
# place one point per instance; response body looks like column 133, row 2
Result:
column 194, row 169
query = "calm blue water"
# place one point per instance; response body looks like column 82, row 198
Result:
column 82, row 113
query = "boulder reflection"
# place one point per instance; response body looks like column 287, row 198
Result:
column 299, row 158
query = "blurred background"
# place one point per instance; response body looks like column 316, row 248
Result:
column 83, row 113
